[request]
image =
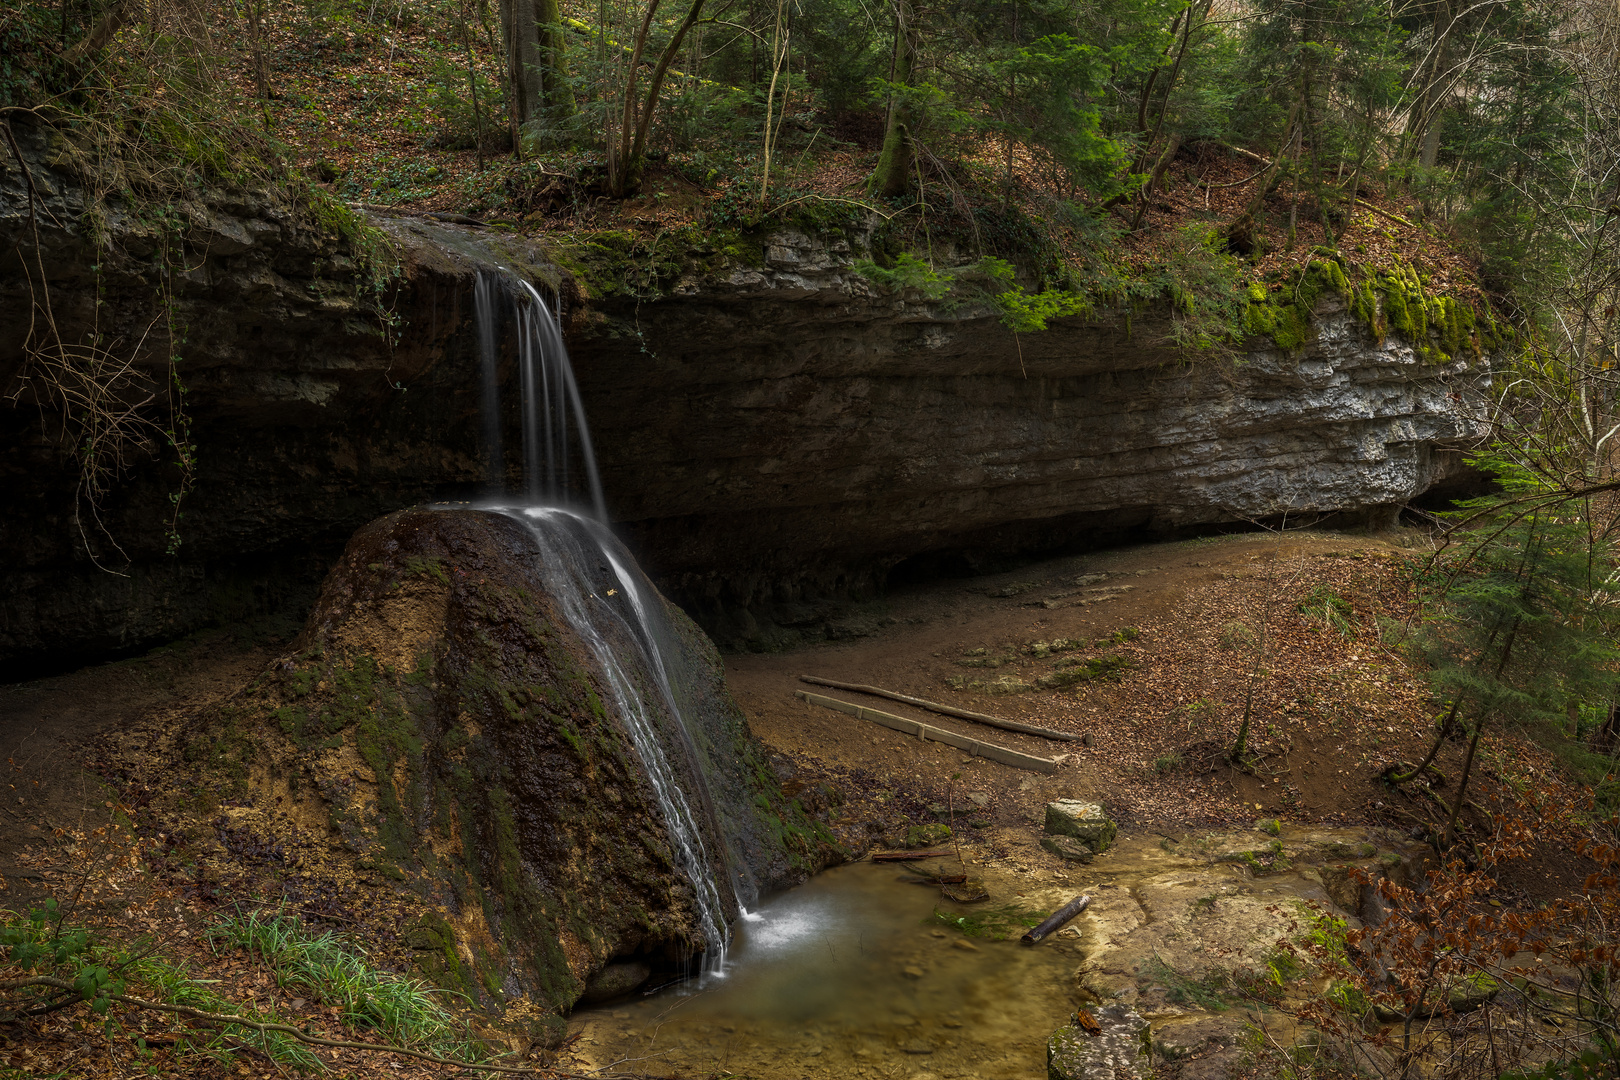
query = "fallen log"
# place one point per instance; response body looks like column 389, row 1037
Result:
column 946, row 710
column 928, row 732
column 908, row 856
column 1057, row 919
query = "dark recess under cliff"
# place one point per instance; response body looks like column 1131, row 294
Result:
column 775, row 440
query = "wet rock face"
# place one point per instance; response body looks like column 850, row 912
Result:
column 1116, row 1049
column 444, row 721
column 775, row 439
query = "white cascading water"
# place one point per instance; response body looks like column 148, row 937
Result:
column 571, row 542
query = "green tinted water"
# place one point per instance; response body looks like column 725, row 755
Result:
column 849, row 975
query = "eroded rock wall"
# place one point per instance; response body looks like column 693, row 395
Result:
column 788, row 435
column 775, row 439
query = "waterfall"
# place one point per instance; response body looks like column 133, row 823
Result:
column 591, row 576
column 551, row 404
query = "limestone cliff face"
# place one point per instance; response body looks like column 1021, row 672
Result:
column 788, row 435
column 774, row 438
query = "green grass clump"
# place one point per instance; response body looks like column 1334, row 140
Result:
column 1205, row 992
column 406, row 1011
column 995, row 924
column 1088, row 670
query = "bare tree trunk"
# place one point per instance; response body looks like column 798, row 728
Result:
column 1241, row 232
column 625, row 163
column 472, row 87
column 261, row 73
column 100, row 34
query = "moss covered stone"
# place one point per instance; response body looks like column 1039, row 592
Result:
column 441, row 714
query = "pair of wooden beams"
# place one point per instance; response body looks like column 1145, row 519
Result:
column 930, row 733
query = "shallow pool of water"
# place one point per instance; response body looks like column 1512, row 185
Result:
column 849, row 975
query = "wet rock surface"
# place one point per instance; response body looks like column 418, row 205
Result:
column 1118, row 1049
column 1079, row 820
column 439, row 732
column 858, row 970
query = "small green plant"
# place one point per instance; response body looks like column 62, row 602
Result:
column 1167, row 763
column 996, row 924
column 405, row 1010
column 40, row 945
column 907, row 273
column 1330, row 609
column 1237, row 637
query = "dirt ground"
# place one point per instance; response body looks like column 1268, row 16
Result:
column 1149, row 656
column 1154, row 732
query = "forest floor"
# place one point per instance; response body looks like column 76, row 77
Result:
column 1178, row 638
column 377, row 112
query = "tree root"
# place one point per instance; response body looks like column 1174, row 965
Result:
column 1410, row 772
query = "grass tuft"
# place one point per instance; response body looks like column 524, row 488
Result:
column 404, row 1010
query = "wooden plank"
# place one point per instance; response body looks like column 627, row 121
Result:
column 929, row 732
column 946, row 710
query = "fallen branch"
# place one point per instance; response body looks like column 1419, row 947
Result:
column 908, row 856
column 1058, row 918
column 283, row 1029
column 1365, row 205
column 946, row 710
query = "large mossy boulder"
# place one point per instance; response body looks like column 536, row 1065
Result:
column 456, row 741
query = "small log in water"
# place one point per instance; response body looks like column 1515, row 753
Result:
column 909, row 856
column 1058, row 918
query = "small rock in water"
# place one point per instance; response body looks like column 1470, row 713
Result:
column 950, row 1022
column 912, row 971
column 968, row 945
column 917, row 1046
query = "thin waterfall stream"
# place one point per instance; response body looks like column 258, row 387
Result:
column 596, row 583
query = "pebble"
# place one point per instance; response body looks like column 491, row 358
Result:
column 912, row 971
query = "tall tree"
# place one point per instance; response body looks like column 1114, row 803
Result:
column 892, row 177
column 537, row 67
column 627, row 146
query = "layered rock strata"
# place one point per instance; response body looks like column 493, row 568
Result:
column 776, row 435
column 788, row 436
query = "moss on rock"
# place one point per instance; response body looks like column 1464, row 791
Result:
column 441, row 715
